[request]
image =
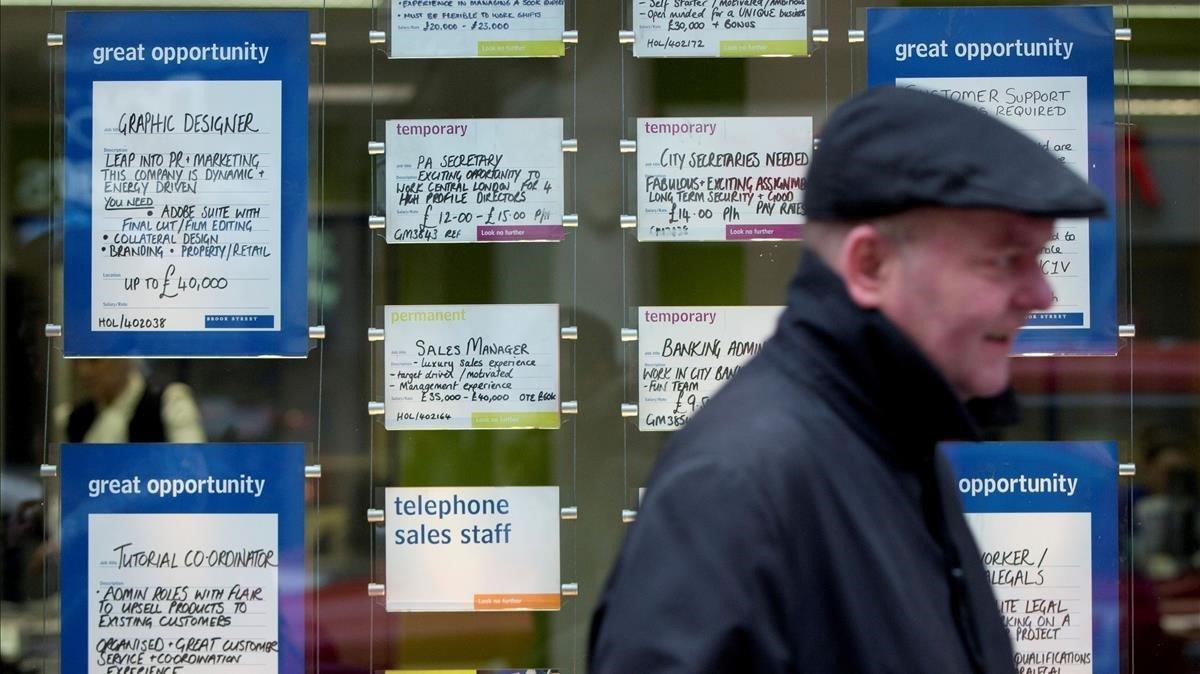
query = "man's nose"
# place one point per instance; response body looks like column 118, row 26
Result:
column 1036, row 293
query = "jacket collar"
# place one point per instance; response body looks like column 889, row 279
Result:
column 873, row 367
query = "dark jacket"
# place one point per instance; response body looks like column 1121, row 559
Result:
column 803, row 520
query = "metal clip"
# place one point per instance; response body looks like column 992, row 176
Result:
column 816, row 143
column 570, row 407
column 626, row 37
column 312, row 471
column 376, row 37
column 375, row 515
column 54, row 39
column 375, row 334
column 376, row 147
column 628, row 222
column 570, row 145
column 628, row 146
column 375, row 408
column 570, row 37
column 376, row 222
column 569, row 513
column 376, row 590
column 629, row 409
column 570, row 589
column 820, row 35
column 628, row 516
column 571, row 220
column 53, row 330
column 48, row 470
column 318, row 39
column 854, row 36
column 569, row 332
column 1128, row 331
column 629, row 334
column 1123, row 34
column 1127, row 469
column 316, row 332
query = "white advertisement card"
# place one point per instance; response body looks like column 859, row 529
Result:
column 207, row 585
column 487, row 28
column 729, row 28
column 685, row 354
column 722, row 178
column 472, row 548
column 485, row 366
column 1054, row 112
column 465, row 180
column 1040, row 567
column 186, row 212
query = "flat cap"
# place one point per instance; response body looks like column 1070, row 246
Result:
column 889, row 150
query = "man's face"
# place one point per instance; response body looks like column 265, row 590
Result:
column 961, row 284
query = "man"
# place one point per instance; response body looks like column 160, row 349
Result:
column 803, row 521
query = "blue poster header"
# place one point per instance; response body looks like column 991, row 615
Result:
column 173, row 555
column 186, row 184
column 1049, row 72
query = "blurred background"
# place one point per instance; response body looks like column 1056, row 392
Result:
column 1147, row 398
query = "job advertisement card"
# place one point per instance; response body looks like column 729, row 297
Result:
column 485, row 366
column 186, row 206
column 472, row 548
column 685, row 354
column 728, row 28
column 722, row 178
column 1044, row 517
column 1043, row 70
column 183, row 558
column 487, row 28
column 474, row 180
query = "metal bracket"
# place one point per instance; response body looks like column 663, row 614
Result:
column 628, row 516
column 312, row 471
column 375, row 408
column 570, row 145
column 570, row 589
column 376, row 147
column 376, row 37
column 1127, row 469
column 48, row 470
column 375, row 515
column 1128, row 331
column 820, row 35
column 628, row 222
column 569, row 332
column 629, row 334
column 54, row 39
column 570, row 37
column 376, row 590
column 854, row 36
column 569, row 513
column 626, row 37
column 570, row 407
column 316, row 332
column 627, row 146
column 629, row 409
column 375, row 334
column 571, row 220
column 1123, row 34
column 376, row 222
column 53, row 330
column 318, row 39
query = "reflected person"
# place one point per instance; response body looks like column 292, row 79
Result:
column 804, row 520
column 121, row 405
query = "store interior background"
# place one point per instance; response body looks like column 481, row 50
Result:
column 1147, row 398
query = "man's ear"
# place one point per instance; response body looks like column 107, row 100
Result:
column 863, row 264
